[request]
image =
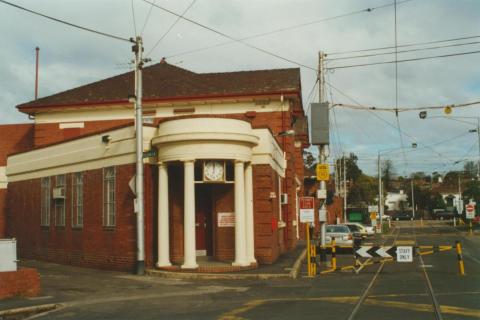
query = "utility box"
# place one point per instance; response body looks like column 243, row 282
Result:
column 8, row 255
column 320, row 123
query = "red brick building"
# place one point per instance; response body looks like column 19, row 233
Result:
column 222, row 182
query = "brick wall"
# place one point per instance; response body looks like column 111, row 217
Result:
column 3, row 199
column 49, row 133
column 24, row 282
column 93, row 245
column 13, row 138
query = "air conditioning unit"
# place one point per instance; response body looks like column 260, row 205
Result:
column 58, row 193
column 284, row 198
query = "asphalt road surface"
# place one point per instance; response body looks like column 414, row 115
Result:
column 430, row 287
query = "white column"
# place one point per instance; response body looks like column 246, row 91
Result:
column 240, row 243
column 163, row 223
column 190, row 257
column 249, row 226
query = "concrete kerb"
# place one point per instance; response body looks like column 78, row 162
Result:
column 293, row 274
column 28, row 311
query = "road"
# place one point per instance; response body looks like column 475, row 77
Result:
column 427, row 288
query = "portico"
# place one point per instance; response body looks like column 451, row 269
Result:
column 223, row 142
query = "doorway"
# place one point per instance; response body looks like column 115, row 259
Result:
column 204, row 219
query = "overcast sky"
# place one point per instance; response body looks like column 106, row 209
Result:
column 71, row 57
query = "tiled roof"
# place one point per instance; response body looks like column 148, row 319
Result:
column 163, row 81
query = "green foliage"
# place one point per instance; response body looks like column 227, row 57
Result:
column 387, row 174
column 437, row 202
column 363, row 190
column 472, row 191
column 470, row 169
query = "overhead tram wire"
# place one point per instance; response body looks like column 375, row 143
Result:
column 405, row 60
column 405, row 51
column 233, row 39
column 171, row 26
column 147, row 18
column 297, row 26
column 397, row 117
column 403, row 45
column 380, row 118
column 134, row 19
column 403, row 109
column 68, row 23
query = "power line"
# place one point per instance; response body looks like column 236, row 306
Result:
column 134, row 20
column 232, row 38
column 403, row 109
column 404, row 51
column 297, row 26
column 171, row 26
column 404, row 45
column 405, row 60
column 67, row 23
column 147, row 18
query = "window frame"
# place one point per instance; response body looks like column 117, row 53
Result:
column 77, row 201
column 109, row 191
column 45, row 201
column 60, row 203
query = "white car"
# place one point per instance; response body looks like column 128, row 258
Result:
column 341, row 233
column 364, row 230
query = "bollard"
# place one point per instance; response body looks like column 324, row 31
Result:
column 461, row 267
column 471, row 230
column 334, row 254
column 421, row 222
column 309, row 272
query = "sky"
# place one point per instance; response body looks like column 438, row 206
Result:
column 70, row 57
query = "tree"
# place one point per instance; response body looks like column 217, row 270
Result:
column 437, row 202
column 472, row 191
column 353, row 171
column 387, row 173
column 363, row 191
column 470, row 169
column 452, row 177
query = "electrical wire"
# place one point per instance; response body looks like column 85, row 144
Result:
column 147, row 18
column 171, row 26
column 232, row 38
column 404, row 60
column 66, row 22
column 134, row 20
column 292, row 27
column 404, row 45
column 403, row 109
column 404, row 51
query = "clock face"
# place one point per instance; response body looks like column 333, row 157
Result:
column 213, row 171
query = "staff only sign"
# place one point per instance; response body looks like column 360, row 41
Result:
column 307, row 213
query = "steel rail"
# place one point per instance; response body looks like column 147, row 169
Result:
column 370, row 285
column 436, row 306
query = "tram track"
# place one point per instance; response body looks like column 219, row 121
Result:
column 428, row 284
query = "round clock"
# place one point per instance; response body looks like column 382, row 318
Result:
column 213, row 171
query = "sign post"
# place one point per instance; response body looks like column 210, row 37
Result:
column 470, row 214
column 307, row 216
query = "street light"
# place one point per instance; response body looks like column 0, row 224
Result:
column 380, row 189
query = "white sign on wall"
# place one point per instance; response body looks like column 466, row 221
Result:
column 404, row 254
column 226, row 219
column 307, row 212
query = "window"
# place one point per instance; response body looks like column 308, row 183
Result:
column 45, row 202
column 77, row 200
column 60, row 201
column 109, row 197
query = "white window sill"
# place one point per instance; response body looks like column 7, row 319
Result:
column 281, row 224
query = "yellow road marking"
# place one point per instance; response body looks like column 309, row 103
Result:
column 405, row 242
column 235, row 314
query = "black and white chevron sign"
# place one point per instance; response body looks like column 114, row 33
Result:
column 376, row 251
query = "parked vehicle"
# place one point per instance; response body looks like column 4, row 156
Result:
column 363, row 229
column 342, row 234
column 357, row 234
column 444, row 214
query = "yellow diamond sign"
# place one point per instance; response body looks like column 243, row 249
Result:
column 322, row 172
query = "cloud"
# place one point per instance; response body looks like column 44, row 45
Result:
column 71, row 57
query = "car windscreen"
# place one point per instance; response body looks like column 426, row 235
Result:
column 353, row 227
column 338, row 229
